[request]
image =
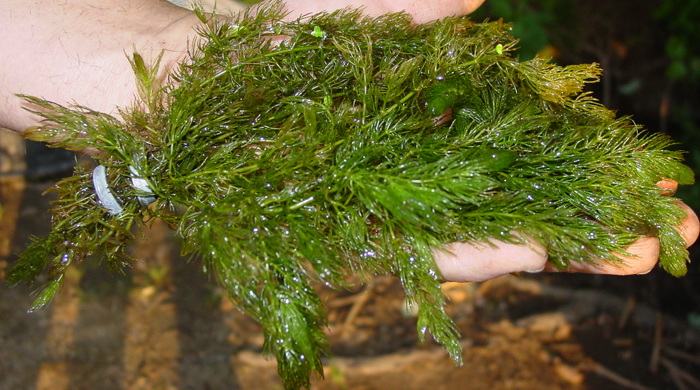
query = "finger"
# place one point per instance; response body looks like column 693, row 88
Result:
column 641, row 258
column 690, row 225
column 476, row 262
column 643, row 253
column 303, row 8
column 668, row 186
column 427, row 11
column 421, row 11
column 471, row 5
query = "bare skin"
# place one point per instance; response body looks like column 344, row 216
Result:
column 75, row 52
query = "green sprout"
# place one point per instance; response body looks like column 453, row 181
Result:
column 318, row 33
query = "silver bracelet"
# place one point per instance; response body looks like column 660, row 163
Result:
column 104, row 194
column 108, row 200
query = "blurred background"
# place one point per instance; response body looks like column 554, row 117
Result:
column 649, row 52
column 164, row 325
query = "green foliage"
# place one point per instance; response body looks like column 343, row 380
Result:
column 682, row 47
column 280, row 163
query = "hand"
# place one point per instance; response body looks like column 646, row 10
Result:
column 463, row 262
column 76, row 51
column 478, row 262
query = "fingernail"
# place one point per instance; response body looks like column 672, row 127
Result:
column 534, row 271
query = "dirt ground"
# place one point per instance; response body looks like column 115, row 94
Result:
column 164, row 325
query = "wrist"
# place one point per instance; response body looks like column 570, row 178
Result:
column 165, row 39
column 77, row 52
column 165, row 47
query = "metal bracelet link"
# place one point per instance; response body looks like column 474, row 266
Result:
column 107, row 199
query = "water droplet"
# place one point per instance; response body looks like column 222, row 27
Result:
column 65, row 259
column 368, row 253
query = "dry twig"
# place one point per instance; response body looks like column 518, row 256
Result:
column 672, row 352
column 658, row 342
column 360, row 300
column 680, row 377
column 605, row 372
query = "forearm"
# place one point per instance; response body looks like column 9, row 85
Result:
column 77, row 51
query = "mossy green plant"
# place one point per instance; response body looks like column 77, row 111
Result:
column 355, row 145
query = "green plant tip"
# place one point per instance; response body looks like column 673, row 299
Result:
column 317, row 32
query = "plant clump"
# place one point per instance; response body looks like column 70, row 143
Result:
column 288, row 152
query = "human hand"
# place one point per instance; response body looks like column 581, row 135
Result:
column 73, row 52
column 465, row 262
column 481, row 261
